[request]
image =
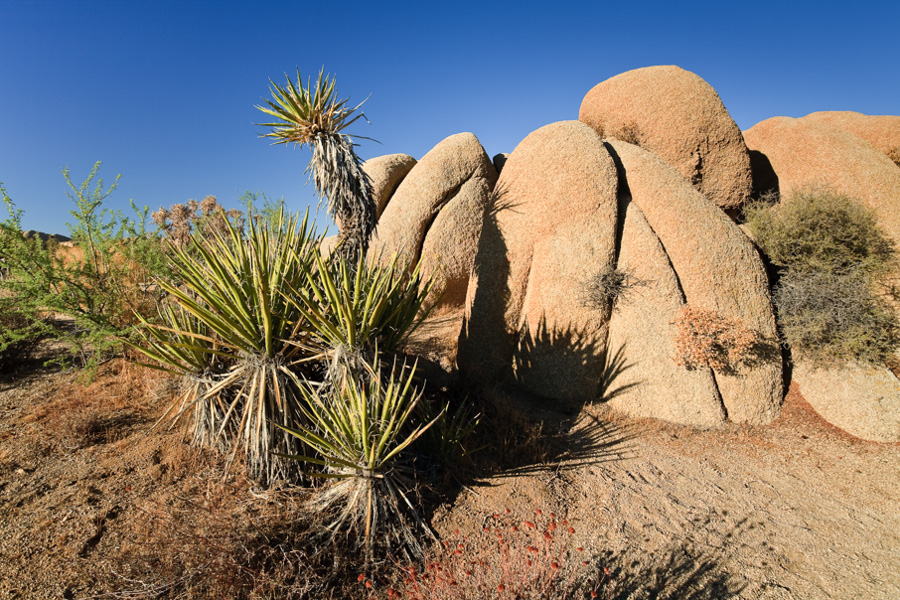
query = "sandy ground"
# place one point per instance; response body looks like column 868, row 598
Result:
column 796, row 509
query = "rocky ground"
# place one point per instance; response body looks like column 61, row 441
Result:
column 94, row 504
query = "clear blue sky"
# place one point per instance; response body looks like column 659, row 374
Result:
column 164, row 92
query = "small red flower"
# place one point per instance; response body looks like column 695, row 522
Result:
column 501, row 588
column 538, row 512
column 529, row 524
column 554, row 565
column 362, row 577
column 571, row 530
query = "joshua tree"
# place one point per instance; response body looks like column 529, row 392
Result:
column 315, row 116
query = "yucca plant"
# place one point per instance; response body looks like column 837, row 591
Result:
column 238, row 338
column 315, row 116
column 351, row 310
column 358, row 430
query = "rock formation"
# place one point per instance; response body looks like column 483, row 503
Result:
column 718, row 270
column 882, row 131
column 677, row 115
column 862, row 400
column 550, row 229
column 437, row 211
column 386, row 172
column 641, row 331
column 804, row 153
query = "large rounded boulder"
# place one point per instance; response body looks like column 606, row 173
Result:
column 386, row 172
column 882, row 131
column 437, row 212
column 550, row 229
column 644, row 378
column 719, row 272
column 678, row 116
column 804, row 153
column 863, row 400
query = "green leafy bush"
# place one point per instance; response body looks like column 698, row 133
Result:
column 100, row 281
column 836, row 272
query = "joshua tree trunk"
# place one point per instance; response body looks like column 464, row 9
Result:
column 338, row 176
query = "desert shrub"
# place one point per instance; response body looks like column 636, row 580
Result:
column 836, row 316
column 894, row 155
column 608, row 287
column 531, row 558
column 101, row 281
column 818, row 231
column 20, row 334
column 705, row 338
column 837, row 270
column 193, row 221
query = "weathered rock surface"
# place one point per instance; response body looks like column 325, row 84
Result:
column 437, row 211
column 862, row 400
column 328, row 244
column 386, row 172
column 882, row 131
column 550, row 229
column 642, row 328
column 677, row 115
column 806, row 154
column 717, row 267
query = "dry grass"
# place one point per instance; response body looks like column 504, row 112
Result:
column 707, row 339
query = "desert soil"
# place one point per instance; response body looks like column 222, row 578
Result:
column 795, row 509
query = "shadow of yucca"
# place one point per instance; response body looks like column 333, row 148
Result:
column 572, row 364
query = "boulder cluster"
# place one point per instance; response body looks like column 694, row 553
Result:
column 600, row 259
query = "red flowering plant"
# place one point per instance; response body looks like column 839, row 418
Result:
column 532, row 558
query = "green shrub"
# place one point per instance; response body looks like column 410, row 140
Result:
column 20, row 334
column 837, row 270
column 836, row 316
column 817, row 231
column 100, row 281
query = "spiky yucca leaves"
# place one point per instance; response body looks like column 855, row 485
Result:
column 352, row 310
column 314, row 116
column 358, row 430
column 236, row 333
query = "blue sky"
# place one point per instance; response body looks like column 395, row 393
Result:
column 164, row 92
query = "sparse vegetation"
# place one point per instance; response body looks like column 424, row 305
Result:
column 837, row 271
column 610, row 287
column 101, row 281
column 527, row 559
column 707, row 339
